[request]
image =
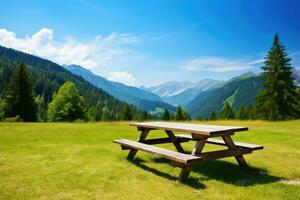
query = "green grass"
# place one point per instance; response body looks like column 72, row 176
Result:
column 79, row 161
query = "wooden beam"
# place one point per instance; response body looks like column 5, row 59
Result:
column 142, row 138
column 199, row 146
column 174, row 141
column 224, row 153
column 164, row 140
column 239, row 158
column 184, row 173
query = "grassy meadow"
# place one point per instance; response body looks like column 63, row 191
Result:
column 79, row 161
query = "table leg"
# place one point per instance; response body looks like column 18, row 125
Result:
column 142, row 138
column 185, row 171
column 240, row 158
column 199, row 146
column 175, row 141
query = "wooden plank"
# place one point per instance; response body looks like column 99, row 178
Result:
column 171, row 155
column 239, row 158
column 174, row 141
column 142, row 138
column 223, row 153
column 189, row 128
column 164, row 140
column 221, row 142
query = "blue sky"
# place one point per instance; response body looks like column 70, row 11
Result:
column 150, row 42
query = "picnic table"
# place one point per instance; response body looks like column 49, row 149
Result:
column 199, row 133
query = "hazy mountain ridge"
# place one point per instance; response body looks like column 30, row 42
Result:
column 139, row 97
column 181, row 93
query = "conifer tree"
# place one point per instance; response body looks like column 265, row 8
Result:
column 213, row 116
column 127, row 115
column 227, row 112
column 278, row 98
column 19, row 96
column 179, row 114
column 186, row 115
column 166, row 115
column 242, row 113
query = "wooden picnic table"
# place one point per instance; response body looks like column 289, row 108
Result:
column 199, row 133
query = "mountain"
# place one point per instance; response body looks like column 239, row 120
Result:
column 184, row 97
column 296, row 75
column 47, row 77
column 238, row 91
column 170, row 88
column 181, row 93
column 141, row 98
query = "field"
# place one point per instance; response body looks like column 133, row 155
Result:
column 79, row 161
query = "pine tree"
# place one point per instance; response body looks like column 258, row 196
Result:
column 179, row 114
column 166, row 115
column 186, row 115
column 127, row 115
column 67, row 104
column 242, row 113
column 278, row 98
column 213, row 116
column 19, row 96
column 227, row 112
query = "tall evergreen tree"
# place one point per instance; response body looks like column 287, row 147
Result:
column 186, row 115
column 19, row 96
column 127, row 115
column 227, row 112
column 179, row 114
column 166, row 115
column 242, row 113
column 278, row 98
column 213, row 116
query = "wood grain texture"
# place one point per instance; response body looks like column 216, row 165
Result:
column 208, row 130
column 222, row 143
column 171, row 155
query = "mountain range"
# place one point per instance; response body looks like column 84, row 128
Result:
column 141, row 98
column 180, row 93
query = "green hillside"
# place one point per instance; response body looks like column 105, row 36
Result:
column 239, row 91
column 141, row 98
column 48, row 77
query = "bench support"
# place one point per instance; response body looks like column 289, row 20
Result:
column 141, row 139
column 175, row 141
column 184, row 173
column 239, row 158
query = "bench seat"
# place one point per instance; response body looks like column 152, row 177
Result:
column 221, row 142
column 181, row 158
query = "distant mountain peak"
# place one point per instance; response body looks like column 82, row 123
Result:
column 77, row 67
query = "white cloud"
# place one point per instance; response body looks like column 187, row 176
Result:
column 219, row 64
column 109, row 51
column 122, row 76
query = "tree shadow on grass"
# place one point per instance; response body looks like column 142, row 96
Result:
column 216, row 170
column 192, row 182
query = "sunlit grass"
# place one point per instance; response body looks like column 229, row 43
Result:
column 79, row 161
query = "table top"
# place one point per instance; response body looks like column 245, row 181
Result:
column 189, row 128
